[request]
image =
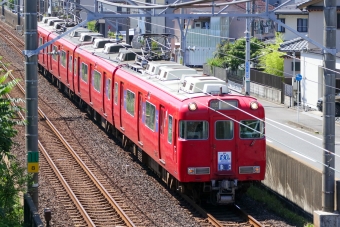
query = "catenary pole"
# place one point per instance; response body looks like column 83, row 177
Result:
column 31, row 85
column 329, row 41
column 247, row 63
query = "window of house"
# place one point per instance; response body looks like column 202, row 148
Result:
column 224, row 130
column 297, row 66
column 97, row 77
column 130, row 102
column 55, row 55
column 279, row 27
column 107, row 88
column 70, row 64
column 302, row 25
column 84, row 72
column 150, row 115
column 116, row 92
column 338, row 21
column 170, row 129
column 63, row 58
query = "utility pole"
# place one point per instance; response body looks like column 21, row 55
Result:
column 329, row 41
column 31, row 86
column 247, row 63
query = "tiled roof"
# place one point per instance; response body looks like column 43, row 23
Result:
column 296, row 44
column 290, row 10
column 307, row 3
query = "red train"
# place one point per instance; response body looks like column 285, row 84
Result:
column 195, row 135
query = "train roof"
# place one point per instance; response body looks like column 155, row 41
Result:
column 182, row 82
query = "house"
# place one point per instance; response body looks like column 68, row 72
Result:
column 204, row 33
column 312, row 58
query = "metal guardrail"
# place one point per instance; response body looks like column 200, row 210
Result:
column 31, row 215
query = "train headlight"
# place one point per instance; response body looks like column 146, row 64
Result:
column 254, row 105
column 191, row 171
column 256, row 169
column 192, row 106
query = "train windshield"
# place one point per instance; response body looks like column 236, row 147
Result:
column 251, row 129
column 193, row 130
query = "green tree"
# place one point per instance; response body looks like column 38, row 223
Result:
column 272, row 60
column 93, row 26
column 12, row 175
column 232, row 55
column 11, row 4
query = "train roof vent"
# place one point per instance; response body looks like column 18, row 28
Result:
column 174, row 73
column 86, row 37
column 204, row 84
column 111, row 48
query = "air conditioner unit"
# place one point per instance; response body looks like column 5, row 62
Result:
column 198, row 24
column 266, row 29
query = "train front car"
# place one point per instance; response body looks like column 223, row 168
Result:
column 221, row 144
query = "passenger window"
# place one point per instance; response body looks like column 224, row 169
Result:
column 150, row 113
column 75, row 67
column 97, row 78
column 170, row 129
column 84, row 72
column 251, row 129
column 224, row 130
column 108, row 88
column 55, row 53
column 130, row 103
column 70, row 64
column 63, row 59
column 116, row 93
column 193, row 130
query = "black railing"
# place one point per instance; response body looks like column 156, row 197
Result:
column 31, row 215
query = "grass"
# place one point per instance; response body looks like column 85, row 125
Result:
column 273, row 204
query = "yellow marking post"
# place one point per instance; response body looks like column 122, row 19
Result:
column 33, row 167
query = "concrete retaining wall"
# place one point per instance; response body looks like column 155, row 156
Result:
column 264, row 92
column 298, row 182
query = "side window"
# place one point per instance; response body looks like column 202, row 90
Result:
column 84, row 72
column 108, row 88
column 170, row 129
column 224, row 130
column 116, row 93
column 150, row 112
column 97, row 80
column 55, row 55
column 130, row 102
column 70, row 64
column 63, row 59
column 41, row 43
column 193, row 130
column 75, row 67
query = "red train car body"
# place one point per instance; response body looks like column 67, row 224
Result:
column 189, row 130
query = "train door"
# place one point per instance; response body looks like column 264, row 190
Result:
column 161, row 136
column 122, row 103
column 140, row 118
column 67, row 66
column 222, row 140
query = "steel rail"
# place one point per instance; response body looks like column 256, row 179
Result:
column 108, row 197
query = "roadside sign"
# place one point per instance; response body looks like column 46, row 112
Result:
column 33, row 162
column 33, row 167
column 247, row 69
column 298, row 77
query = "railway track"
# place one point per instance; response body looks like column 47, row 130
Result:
column 92, row 203
column 74, row 175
